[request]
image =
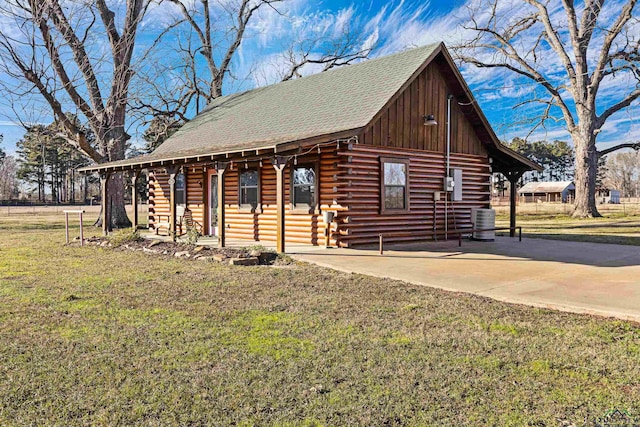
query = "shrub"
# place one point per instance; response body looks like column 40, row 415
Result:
column 120, row 237
column 192, row 235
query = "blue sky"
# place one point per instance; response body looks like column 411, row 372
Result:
column 393, row 26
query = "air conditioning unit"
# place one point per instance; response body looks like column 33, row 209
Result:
column 484, row 219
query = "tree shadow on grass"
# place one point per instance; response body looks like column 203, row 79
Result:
column 616, row 225
column 30, row 226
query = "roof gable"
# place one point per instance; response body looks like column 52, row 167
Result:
column 333, row 104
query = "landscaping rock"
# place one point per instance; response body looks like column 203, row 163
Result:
column 233, row 256
column 255, row 252
column 244, row 261
column 267, row 257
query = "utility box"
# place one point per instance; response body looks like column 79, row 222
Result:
column 448, row 184
column 457, row 185
column 327, row 216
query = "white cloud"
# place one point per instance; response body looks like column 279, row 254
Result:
column 9, row 123
column 395, row 26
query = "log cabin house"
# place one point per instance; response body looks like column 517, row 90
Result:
column 395, row 145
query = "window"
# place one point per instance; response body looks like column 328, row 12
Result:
column 249, row 189
column 303, row 187
column 395, row 184
column 180, row 189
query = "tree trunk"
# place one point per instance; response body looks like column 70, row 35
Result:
column 119, row 218
column 585, row 176
column 116, row 186
column 116, row 191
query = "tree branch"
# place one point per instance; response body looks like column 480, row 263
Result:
column 625, row 15
column 59, row 68
column 31, row 76
column 600, row 120
column 79, row 53
column 554, row 39
column 634, row 145
column 506, row 49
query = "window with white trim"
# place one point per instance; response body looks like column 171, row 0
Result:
column 304, row 182
column 394, row 184
column 249, row 189
column 180, row 189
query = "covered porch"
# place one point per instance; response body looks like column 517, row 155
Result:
column 213, row 190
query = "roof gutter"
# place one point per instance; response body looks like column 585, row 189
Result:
column 145, row 162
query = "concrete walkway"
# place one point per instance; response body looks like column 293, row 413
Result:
column 590, row 278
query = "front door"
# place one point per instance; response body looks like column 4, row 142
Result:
column 213, row 203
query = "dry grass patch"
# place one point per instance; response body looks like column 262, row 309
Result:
column 99, row 336
column 615, row 228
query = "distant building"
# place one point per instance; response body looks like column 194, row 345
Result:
column 561, row 191
column 608, row 196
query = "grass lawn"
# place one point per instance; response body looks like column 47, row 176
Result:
column 96, row 336
column 617, row 228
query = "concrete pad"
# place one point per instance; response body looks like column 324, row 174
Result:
column 579, row 277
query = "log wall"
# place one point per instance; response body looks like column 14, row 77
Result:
column 303, row 228
column 361, row 186
column 195, row 188
column 158, row 198
column 306, row 228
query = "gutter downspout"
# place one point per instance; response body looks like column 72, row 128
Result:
column 448, row 157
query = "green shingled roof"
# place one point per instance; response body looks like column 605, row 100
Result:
column 333, row 101
column 336, row 102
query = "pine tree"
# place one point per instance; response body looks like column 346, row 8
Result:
column 46, row 160
column 556, row 157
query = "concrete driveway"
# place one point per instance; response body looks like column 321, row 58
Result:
column 590, row 278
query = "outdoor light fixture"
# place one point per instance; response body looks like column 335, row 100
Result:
column 430, row 120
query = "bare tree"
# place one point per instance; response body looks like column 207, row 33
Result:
column 623, row 173
column 55, row 52
column 8, row 180
column 8, row 173
column 592, row 45
column 308, row 50
column 206, row 37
